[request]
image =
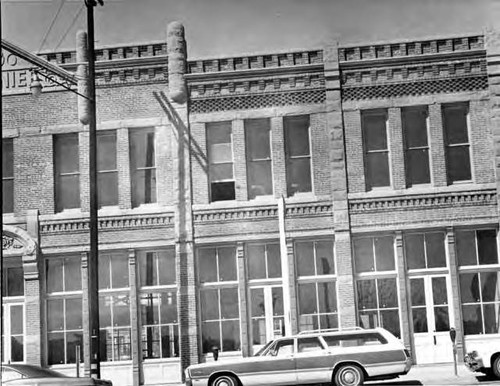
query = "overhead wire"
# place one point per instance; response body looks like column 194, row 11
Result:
column 70, row 26
column 51, row 25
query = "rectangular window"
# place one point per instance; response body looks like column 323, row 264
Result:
column 67, row 172
column 378, row 304
column 425, row 250
column 264, row 261
column 217, row 264
column 142, row 166
column 13, row 281
column 374, row 128
column 457, row 144
column 113, row 271
column 7, row 175
column 114, row 322
column 220, row 319
column 220, row 156
column 157, row 268
column 477, row 247
column 64, row 309
column 107, row 170
column 414, row 121
column 314, row 258
column 374, row 254
column 298, row 154
column 258, row 150
column 317, row 305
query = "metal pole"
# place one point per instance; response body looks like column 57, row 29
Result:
column 95, row 362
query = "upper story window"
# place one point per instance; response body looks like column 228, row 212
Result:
column 374, row 254
column 414, row 121
column 7, row 175
column 425, row 250
column 457, row 144
column 259, row 165
column 374, row 127
column 107, row 170
column 298, row 154
column 220, row 155
column 142, row 166
column 66, row 172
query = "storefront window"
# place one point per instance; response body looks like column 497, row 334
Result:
column 264, row 261
column 114, row 321
column 425, row 250
column 374, row 254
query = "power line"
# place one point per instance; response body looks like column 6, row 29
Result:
column 69, row 27
column 51, row 25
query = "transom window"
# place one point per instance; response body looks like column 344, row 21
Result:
column 457, row 144
column 220, row 156
column 66, row 172
column 298, row 154
column 425, row 250
column 13, row 281
column 258, row 150
column 264, row 261
column 374, row 127
column 314, row 258
column 142, row 166
column 107, row 170
column 7, row 175
column 414, row 120
column 113, row 271
column 373, row 254
column 157, row 268
column 217, row 264
column 476, row 247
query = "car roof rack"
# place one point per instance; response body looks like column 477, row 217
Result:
column 355, row 328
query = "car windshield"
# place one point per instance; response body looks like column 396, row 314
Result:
column 259, row 353
column 37, row 372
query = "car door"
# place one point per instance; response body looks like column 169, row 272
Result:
column 312, row 362
column 277, row 367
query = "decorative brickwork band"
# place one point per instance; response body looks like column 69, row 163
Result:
column 442, row 86
column 257, row 101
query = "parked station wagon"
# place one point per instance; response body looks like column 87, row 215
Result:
column 344, row 358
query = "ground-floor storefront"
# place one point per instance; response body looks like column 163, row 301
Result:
column 417, row 284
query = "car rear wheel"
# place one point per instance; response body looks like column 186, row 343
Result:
column 225, row 380
column 349, row 375
column 495, row 367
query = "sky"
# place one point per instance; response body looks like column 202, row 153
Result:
column 217, row 28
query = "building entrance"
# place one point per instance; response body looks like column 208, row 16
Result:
column 267, row 314
column 431, row 314
column 13, row 333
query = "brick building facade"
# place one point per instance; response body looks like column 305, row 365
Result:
column 323, row 188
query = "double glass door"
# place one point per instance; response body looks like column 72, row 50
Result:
column 13, row 333
column 431, row 314
column 267, row 314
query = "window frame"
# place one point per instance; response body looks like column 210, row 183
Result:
column 59, row 176
column 409, row 149
column 8, row 178
column 101, row 172
column 212, row 164
column 137, row 170
column 289, row 123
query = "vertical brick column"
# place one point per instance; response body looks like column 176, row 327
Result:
column 184, row 238
column 294, row 315
column 134, row 319
column 320, row 164
column 123, row 163
column 34, row 174
column 481, row 140
column 396, row 149
column 278, row 157
column 341, row 220
column 240, row 161
column 85, row 313
column 246, row 344
column 492, row 42
column 83, row 147
column 436, row 141
column 354, row 151
column 404, row 298
column 455, row 302
column 200, row 164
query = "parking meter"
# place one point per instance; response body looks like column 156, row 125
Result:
column 453, row 334
column 215, row 352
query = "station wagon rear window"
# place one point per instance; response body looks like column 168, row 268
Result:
column 354, row 340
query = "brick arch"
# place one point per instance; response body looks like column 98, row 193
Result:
column 17, row 241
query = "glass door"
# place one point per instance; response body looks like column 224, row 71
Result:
column 13, row 333
column 267, row 314
column 431, row 314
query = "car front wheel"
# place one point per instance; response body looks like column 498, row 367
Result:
column 495, row 367
column 225, row 380
column 349, row 375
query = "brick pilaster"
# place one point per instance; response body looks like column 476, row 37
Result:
column 240, row 161
column 455, row 302
column 246, row 344
column 404, row 295
column 278, row 157
column 436, row 141
column 85, row 313
column 135, row 322
column 396, row 149
column 354, row 151
column 123, row 164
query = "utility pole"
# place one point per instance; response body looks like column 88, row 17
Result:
column 93, row 267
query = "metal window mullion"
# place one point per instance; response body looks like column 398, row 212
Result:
column 64, row 330
column 157, row 267
column 374, row 255
column 159, row 320
column 425, row 251
column 220, row 316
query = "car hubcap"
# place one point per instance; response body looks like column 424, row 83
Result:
column 224, row 382
column 349, row 377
